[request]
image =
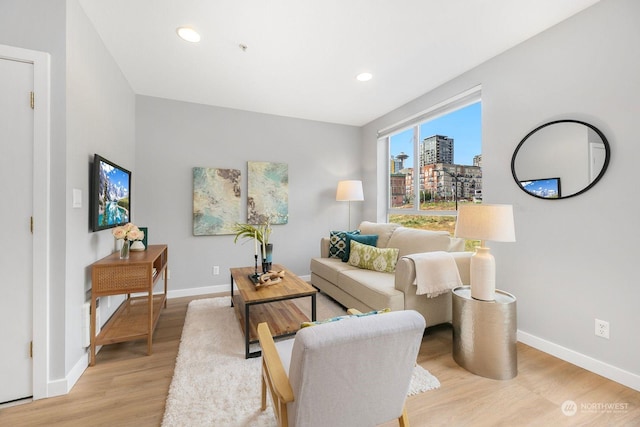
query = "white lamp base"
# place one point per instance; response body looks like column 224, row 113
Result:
column 483, row 275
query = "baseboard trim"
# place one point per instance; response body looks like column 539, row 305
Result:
column 214, row 289
column 611, row 372
column 192, row 292
column 63, row 386
column 59, row 387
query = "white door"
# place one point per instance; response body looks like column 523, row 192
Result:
column 16, row 250
column 597, row 155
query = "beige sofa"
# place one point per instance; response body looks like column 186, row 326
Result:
column 368, row 290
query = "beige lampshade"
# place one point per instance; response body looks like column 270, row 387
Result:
column 486, row 222
column 349, row 191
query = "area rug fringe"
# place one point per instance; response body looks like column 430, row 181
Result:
column 214, row 385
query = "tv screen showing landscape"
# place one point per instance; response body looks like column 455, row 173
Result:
column 111, row 201
column 546, row 188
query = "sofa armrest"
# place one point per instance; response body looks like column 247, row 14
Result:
column 324, row 247
column 406, row 271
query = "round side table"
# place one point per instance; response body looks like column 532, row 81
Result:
column 484, row 334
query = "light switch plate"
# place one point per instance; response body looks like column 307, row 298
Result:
column 77, row 198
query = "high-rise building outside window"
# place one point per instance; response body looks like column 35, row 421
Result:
column 435, row 165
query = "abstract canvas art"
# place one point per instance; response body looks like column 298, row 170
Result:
column 216, row 200
column 267, row 193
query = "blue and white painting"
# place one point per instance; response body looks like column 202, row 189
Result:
column 267, row 193
column 113, row 196
column 216, row 201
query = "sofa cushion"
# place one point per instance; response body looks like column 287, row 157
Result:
column 329, row 268
column 383, row 230
column 413, row 241
column 372, row 258
column 374, row 289
column 457, row 244
column 365, row 239
column 338, row 243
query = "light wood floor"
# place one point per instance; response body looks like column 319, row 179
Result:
column 128, row 388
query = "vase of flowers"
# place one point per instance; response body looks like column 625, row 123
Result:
column 127, row 233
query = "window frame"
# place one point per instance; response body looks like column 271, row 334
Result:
column 414, row 122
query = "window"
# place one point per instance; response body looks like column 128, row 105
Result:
column 435, row 164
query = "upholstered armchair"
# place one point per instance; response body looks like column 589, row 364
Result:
column 352, row 372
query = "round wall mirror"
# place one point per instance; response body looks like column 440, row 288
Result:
column 560, row 159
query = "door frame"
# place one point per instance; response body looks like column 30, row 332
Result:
column 41, row 210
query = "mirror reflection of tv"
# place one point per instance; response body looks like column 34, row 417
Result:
column 545, row 188
column 110, row 194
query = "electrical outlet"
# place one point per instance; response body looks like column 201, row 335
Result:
column 216, row 270
column 602, row 328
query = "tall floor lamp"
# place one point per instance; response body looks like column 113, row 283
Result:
column 349, row 191
column 485, row 222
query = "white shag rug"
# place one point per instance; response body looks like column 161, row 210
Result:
column 214, row 385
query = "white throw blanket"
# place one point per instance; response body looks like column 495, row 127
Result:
column 436, row 273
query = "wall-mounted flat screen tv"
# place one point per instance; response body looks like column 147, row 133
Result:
column 545, row 188
column 110, row 194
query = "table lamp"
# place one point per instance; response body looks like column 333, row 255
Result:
column 349, row 191
column 485, row 222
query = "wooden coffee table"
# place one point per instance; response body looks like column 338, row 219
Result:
column 271, row 304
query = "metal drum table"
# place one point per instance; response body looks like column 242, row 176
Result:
column 484, row 334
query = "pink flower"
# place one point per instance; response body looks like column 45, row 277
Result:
column 119, row 233
column 136, row 234
column 128, row 232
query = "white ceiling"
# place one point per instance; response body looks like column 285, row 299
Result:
column 302, row 56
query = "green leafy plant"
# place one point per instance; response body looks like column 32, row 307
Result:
column 260, row 232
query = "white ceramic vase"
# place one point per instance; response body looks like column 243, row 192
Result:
column 137, row 245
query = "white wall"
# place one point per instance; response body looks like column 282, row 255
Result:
column 572, row 261
column 173, row 137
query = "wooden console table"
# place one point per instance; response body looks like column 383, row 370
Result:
column 137, row 317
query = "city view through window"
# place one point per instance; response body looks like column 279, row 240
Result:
column 434, row 167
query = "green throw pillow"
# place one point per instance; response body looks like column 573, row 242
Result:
column 372, row 258
column 346, row 316
column 338, row 243
column 366, row 239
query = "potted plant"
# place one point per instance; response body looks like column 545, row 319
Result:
column 260, row 233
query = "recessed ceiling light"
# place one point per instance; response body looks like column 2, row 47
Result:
column 364, row 77
column 188, row 34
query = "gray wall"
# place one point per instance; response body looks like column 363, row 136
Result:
column 572, row 261
column 100, row 119
column 172, row 137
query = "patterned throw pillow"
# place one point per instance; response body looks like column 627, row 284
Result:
column 365, row 239
column 338, row 243
column 372, row 258
column 346, row 316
